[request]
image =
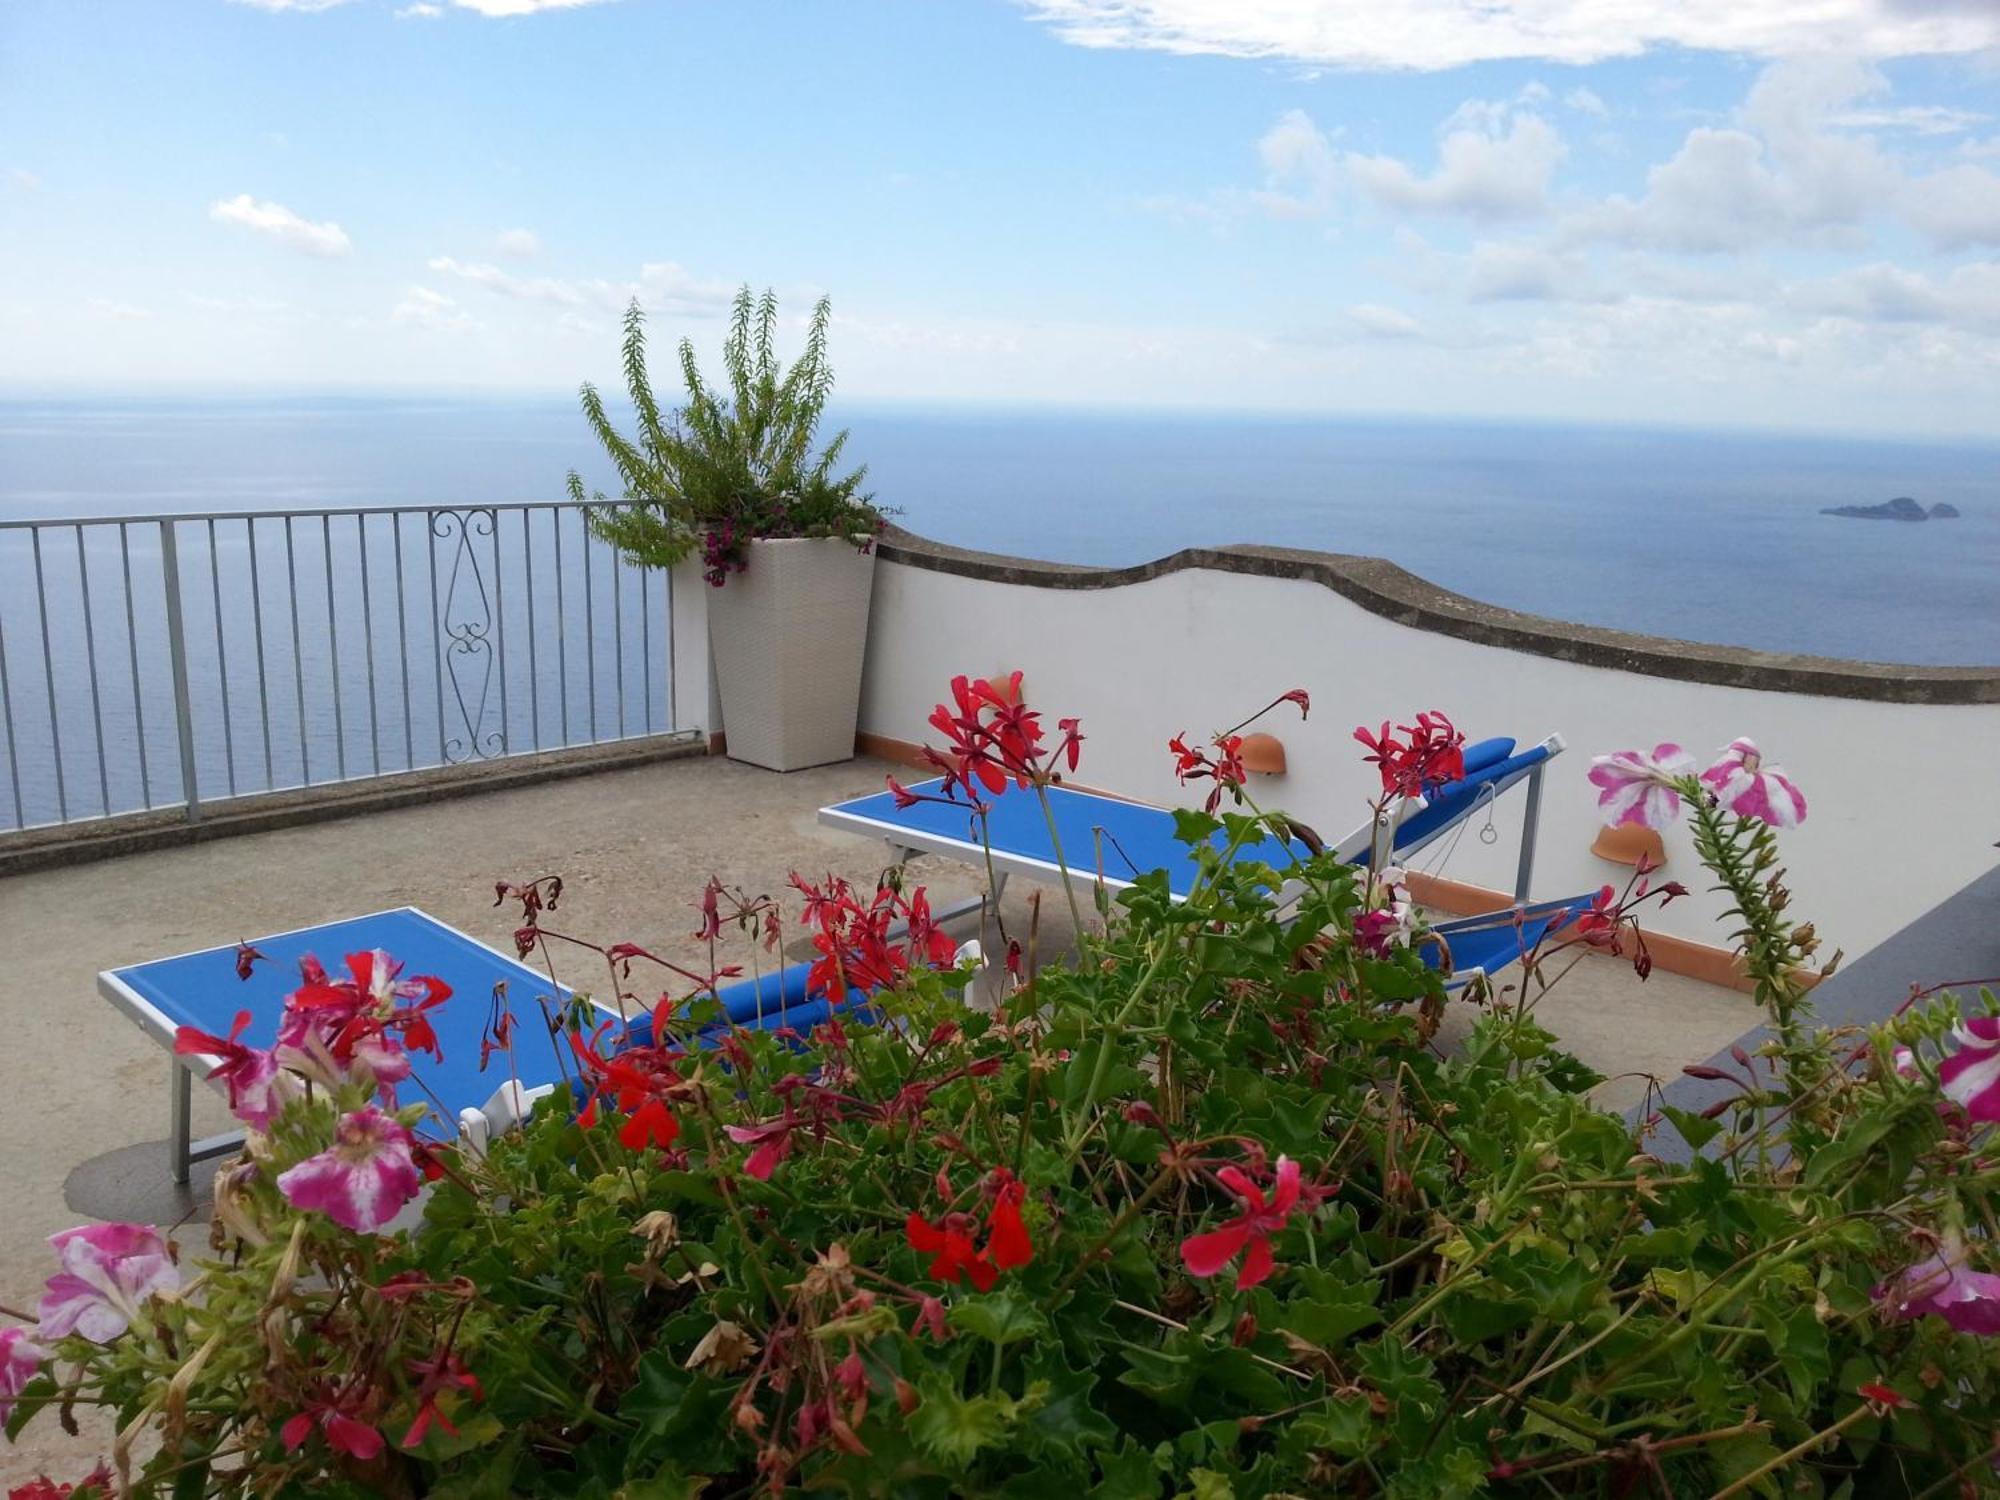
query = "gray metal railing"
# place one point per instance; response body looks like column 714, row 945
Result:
column 294, row 648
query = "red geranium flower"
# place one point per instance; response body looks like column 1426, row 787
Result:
column 1430, row 753
column 954, row 1257
column 345, row 1433
column 1249, row 1233
column 443, row 1372
column 1007, row 1243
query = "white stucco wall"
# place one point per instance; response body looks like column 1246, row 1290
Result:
column 1904, row 800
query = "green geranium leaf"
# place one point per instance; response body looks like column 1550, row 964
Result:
column 1478, row 1314
column 953, row 1429
column 1001, row 1318
column 1695, row 1130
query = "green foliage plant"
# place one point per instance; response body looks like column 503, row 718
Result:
column 728, row 466
column 1205, row 1210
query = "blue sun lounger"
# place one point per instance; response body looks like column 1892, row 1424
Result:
column 1117, row 841
column 202, row 990
column 1105, row 837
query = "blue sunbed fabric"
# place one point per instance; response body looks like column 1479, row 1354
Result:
column 1456, row 799
column 1493, row 943
column 763, row 1003
column 1490, row 946
column 202, row 990
column 1136, row 839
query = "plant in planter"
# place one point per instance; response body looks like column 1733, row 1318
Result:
column 1205, row 1212
column 740, row 477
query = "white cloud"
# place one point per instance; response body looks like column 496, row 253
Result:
column 21, row 177
column 1511, row 271
column 661, row 285
column 1956, row 207
column 1495, row 161
column 1780, row 172
column 1966, row 297
column 519, row 7
column 1439, row 34
column 522, row 244
column 1586, row 102
column 1918, row 119
column 507, row 284
column 432, row 311
column 1301, row 168
column 118, row 312
column 281, row 224
column 1382, row 322
column 423, row 10
column 1492, row 164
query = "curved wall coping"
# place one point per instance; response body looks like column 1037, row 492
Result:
column 1384, row 589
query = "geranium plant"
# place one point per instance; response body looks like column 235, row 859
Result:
column 1205, row 1210
column 729, row 466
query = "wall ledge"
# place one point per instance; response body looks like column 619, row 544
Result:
column 1386, row 590
column 48, row 847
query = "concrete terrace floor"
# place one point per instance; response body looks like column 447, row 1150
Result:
column 83, row 1100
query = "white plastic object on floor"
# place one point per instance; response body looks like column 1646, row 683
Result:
column 509, row 1106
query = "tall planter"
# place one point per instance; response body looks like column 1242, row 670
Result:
column 788, row 635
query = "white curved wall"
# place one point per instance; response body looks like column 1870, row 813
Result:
column 1904, row 800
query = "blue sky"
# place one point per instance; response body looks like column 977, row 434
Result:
column 1781, row 212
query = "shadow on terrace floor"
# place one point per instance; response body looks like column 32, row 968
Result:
column 82, row 1091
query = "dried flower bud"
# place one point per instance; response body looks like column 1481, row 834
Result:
column 660, row 1230
column 725, row 1348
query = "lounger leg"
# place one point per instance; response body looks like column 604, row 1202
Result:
column 1531, row 823
column 180, row 1106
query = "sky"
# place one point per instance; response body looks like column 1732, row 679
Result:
column 1748, row 212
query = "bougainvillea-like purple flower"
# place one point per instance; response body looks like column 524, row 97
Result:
column 1745, row 784
column 1635, row 787
column 109, row 1272
column 363, row 1179
column 20, row 1360
column 1968, row 1300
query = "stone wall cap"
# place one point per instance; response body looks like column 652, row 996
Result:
column 1384, row 589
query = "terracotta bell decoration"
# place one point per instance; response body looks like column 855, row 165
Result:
column 1630, row 843
column 1263, row 752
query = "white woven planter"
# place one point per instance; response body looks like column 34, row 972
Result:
column 788, row 635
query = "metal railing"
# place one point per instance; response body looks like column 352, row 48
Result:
column 294, row 648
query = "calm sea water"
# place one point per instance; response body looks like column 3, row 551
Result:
column 1708, row 536
column 325, row 649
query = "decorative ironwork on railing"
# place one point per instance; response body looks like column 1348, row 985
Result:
column 289, row 649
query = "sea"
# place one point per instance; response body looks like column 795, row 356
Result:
column 1712, row 536
column 1702, row 535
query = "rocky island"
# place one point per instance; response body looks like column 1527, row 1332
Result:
column 1902, row 508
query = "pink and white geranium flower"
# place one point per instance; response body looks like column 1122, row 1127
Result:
column 258, row 1087
column 1635, row 787
column 1745, row 784
column 20, row 1361
column 363, row 1179
column 109, row 1272
column 1390, row 917
column 1970, row 1077
column 1968, row 1300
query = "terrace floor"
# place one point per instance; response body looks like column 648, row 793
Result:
column 82, row 1092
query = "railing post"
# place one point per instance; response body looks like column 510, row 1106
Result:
column 170, row 567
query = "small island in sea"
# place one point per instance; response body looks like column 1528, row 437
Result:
column 1902, row 508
